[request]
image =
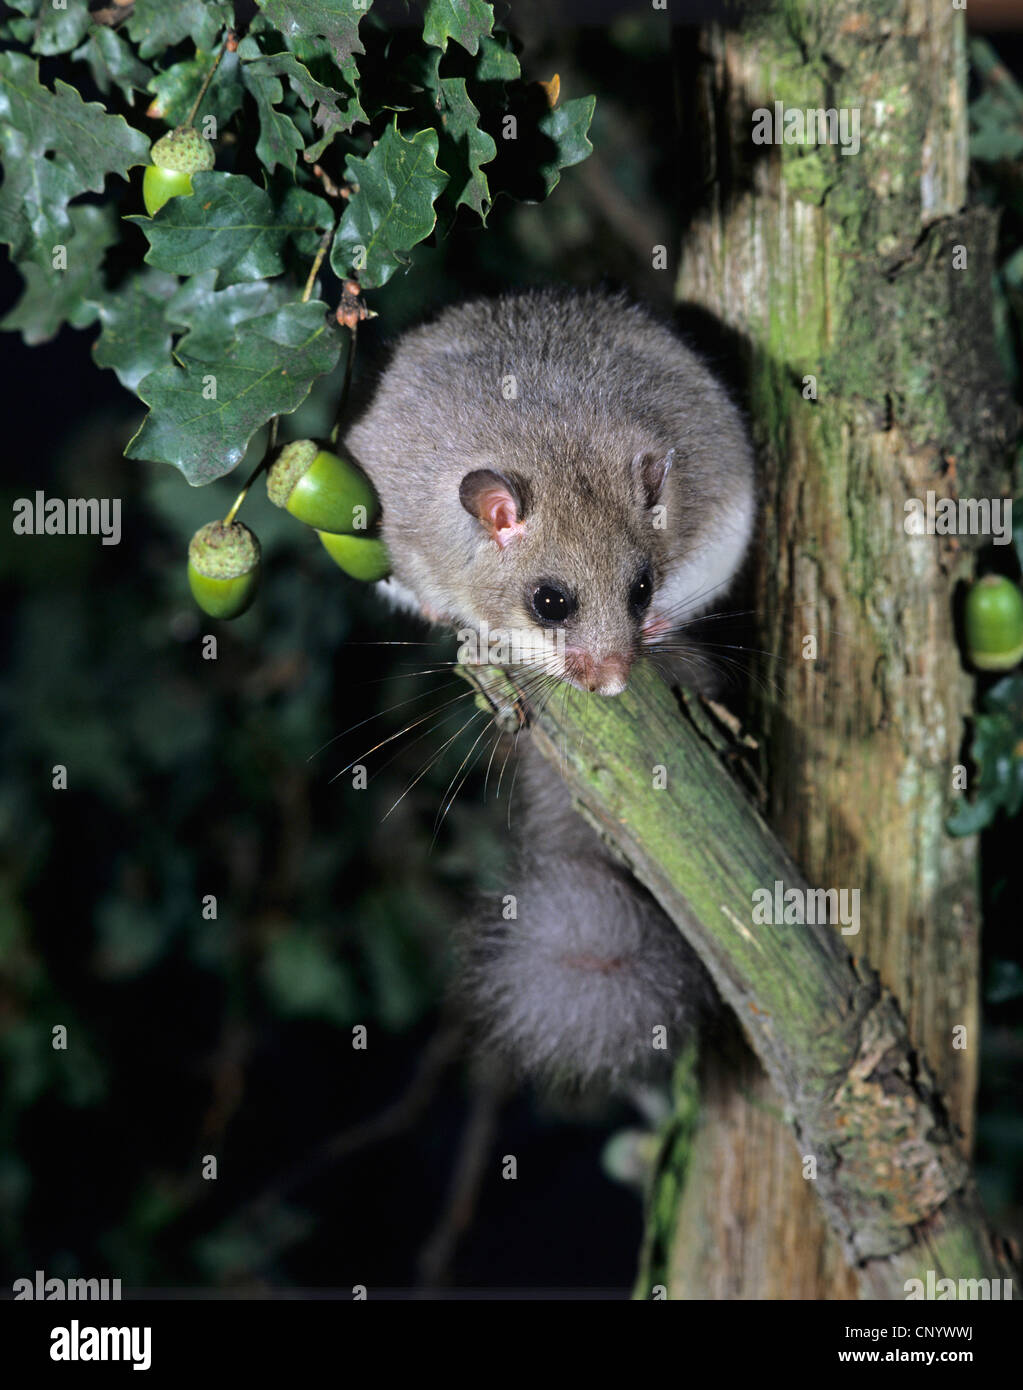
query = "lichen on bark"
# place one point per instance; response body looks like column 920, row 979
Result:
column 840, row 267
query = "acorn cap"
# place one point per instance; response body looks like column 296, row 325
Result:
column 224, row 552
column 291, row 464
column 184, row 151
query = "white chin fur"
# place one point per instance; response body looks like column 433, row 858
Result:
column 614, row 687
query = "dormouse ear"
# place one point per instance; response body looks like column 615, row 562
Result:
column 494, row 501
column 650, row 472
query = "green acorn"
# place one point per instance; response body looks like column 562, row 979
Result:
column 993, row 621
column 320, row 488
column 224, row 568
column 175, row 157
column 363, row 557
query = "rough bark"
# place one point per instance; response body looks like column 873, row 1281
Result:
column 840, row 267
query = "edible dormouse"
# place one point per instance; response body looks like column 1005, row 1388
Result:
column 554, row 459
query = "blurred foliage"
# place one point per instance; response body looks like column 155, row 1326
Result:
column 996, row 738
column 996, row 148
column 998, row 757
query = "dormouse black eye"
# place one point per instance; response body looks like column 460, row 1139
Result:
column 551, row 604
column 642, row 591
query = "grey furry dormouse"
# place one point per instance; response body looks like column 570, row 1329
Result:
column 561, row 460
column 611, row 417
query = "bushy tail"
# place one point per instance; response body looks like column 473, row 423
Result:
column 588, row 983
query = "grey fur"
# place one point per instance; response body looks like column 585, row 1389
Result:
column 589, row 984
column 605, row 396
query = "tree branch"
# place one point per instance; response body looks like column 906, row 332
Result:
column 895, row 1188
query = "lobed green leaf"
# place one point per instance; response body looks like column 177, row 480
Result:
column 136, row 336
column 997, row 751
column 48, row 30
column 86, row 145
column 113, row 63
column 279, row 138
column 176, row 88
column 392, row 209
column 257, row 367
column 337, row 23
column 566, row 125
column 328, row 112
column 497, row 61
column 465, row 21
column 156, row 25
column 51, row 297
column 465, row 148
column 228, row 225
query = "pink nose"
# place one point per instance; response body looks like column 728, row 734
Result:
column 607, row 674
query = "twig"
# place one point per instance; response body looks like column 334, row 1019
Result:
column 321, row 251
column 209, row 77
column 271, row 444
column 346, row 384
column 441, row 1051
column 463, row 1195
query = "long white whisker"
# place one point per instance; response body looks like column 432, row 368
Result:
column 379, row 714
column 407, row 729
column 431, row 761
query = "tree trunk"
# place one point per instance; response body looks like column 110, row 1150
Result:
column 841, row 268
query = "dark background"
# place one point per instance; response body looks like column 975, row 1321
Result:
column 187, row 777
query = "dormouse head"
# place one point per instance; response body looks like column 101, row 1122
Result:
column 568, row 561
